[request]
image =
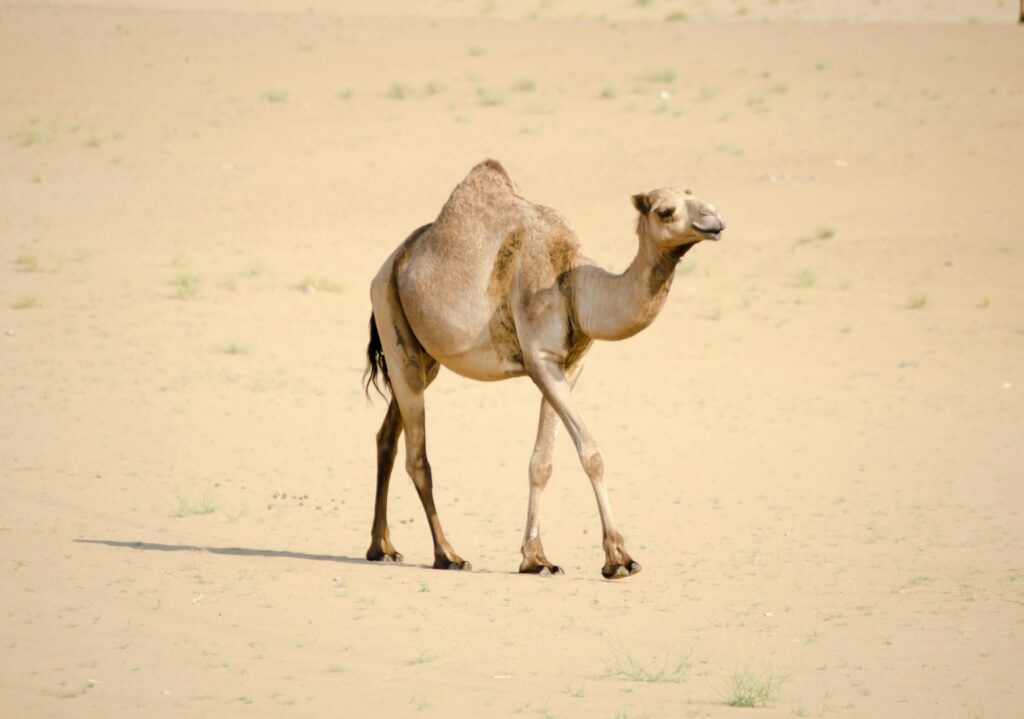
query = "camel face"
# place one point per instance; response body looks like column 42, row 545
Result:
column 676, row 218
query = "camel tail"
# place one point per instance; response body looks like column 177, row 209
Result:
column 375, row 362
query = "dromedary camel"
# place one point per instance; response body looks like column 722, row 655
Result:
column 498, row 287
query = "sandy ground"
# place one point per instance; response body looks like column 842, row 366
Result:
column 815, row 452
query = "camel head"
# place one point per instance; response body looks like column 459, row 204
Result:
column 672, row 218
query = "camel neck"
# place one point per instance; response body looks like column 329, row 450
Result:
column 614, row 307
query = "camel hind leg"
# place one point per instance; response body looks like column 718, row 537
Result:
column 381, row 549
column 411, row 370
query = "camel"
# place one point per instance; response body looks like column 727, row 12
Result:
column 498, row 287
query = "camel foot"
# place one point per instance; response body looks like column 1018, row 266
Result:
column 445, row 563
column 621, row 571
column 545, row 570
column 379, row 555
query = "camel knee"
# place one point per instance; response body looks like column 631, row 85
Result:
column 419, row 469
column 386, row 441
column 540, row 471
column 593, row 463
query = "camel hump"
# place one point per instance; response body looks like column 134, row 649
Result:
column 485, row 203
column 496, row 172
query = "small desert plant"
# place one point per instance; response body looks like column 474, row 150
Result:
column 918, row 301
column 399, row 91
column 707, row 93
column 319, row 283
column 433, row 88
column 275, row 96
column 659, row 76
column 234, row 348
column 677, row 16
column 608, row 93
column 820, row 234
column 185, row 508
column 28, row 263
column 27, row 302
column 751, row 688
column 424, row 658
column 186, row 284
column 489, row 98
column 345, row 94
column 524, row 85
column 805, row 278
column 626, row 666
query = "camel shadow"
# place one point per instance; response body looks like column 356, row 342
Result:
column 283, row 554
column 241, row 552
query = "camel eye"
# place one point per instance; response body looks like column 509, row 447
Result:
column 667, row 213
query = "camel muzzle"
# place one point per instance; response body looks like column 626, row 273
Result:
column 711, row 228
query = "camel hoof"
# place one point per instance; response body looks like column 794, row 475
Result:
column 445, row 563
column 621, row 571
column 545, row 570
column 377, row 555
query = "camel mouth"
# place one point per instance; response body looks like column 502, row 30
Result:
column 711, row 231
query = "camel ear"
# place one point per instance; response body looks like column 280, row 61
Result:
column 642, row 204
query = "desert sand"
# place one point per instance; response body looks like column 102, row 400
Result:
column 815, row 452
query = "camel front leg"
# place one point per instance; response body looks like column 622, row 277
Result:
column 534, row 559
column 549, row 376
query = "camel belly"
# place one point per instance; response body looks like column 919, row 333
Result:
column 483, row 364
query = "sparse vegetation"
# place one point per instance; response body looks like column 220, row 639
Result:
column 524, row 85
column 28, row 263
column 399, row 91
column 626, row 666
column 319, row 283
column 805, row 278
column 424, row 658
column 186, row 508
column 489, row 98
column 187, row 284
column 748, row 687
column 663, row 76
column 26, row 302
column 434, row 87
column 275, row 96
column 918, row 301
column 234, row 348
column 707, row 93
column 820, row 234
